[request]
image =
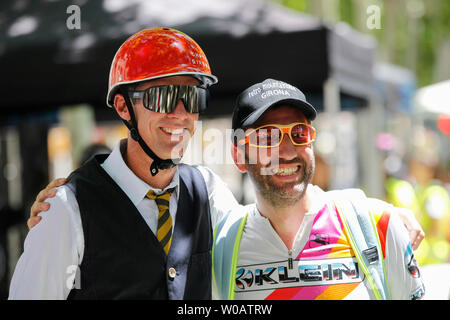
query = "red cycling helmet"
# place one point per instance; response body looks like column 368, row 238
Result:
column 156, row 53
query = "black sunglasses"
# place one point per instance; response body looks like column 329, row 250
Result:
column 164, row 99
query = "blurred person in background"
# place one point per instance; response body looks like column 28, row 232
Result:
column 419, row 189
column 135, row 224
column 433, row 201
column 297, row 241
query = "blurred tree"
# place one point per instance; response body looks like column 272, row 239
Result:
column 300, row 5
column 413, row 33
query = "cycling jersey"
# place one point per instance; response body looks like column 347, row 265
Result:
column 321, row 264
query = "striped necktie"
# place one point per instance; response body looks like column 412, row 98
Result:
column 164, row 231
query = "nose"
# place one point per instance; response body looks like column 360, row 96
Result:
column 286, row 149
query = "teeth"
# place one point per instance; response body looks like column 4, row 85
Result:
column 173, row 131
column 284, row 171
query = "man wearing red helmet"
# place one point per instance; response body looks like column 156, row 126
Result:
column 134, row 224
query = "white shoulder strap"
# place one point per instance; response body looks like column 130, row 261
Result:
column 363, row 236
column 227, row 238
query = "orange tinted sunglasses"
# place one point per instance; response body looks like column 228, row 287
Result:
column 271, row 135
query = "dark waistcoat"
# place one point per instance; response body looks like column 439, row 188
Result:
column 122, row 257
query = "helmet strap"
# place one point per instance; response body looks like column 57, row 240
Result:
column 158, row 163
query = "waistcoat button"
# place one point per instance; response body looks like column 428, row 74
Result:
column 172, row 272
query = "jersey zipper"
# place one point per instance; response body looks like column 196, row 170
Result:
column 290, row 260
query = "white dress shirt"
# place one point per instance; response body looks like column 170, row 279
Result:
column 54, row 248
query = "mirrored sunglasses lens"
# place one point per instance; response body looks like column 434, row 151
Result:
column 161, row 99
column 164, row 99
column 202, row 100
column 301, row 134
column 195, row 99
column 265, row 137
column 191, row 99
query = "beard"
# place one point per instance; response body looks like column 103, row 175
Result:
column 288, row 193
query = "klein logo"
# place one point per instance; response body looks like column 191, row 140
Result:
column 304, row 273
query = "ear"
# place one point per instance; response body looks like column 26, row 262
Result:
column 238, row 155
column 121, row 107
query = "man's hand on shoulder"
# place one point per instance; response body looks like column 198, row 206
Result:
column 40, row 205
column 416, row 233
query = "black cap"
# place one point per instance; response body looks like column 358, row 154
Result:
column 254, row 101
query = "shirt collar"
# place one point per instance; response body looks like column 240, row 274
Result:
column 132, row 185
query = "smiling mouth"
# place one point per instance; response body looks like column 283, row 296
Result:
column 285, row 171
column 178, row 131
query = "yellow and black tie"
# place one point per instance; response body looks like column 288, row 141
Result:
column 164, row 231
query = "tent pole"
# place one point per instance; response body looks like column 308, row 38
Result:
column 331, row 99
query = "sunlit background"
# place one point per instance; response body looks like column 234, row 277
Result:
column 377, row 71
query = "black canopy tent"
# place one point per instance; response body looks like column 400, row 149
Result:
column 45, row 65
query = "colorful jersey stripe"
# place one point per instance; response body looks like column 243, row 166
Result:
column 324, row 269
column 326, row 241
column 382, row 222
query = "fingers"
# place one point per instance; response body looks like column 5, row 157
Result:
column 416, row 238
column 36, row 208
column 56, row 183
column 31, row 222
column 50, row 189
column 40, row 205
column 416, row 233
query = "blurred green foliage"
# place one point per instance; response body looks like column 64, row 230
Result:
column 412, row 31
